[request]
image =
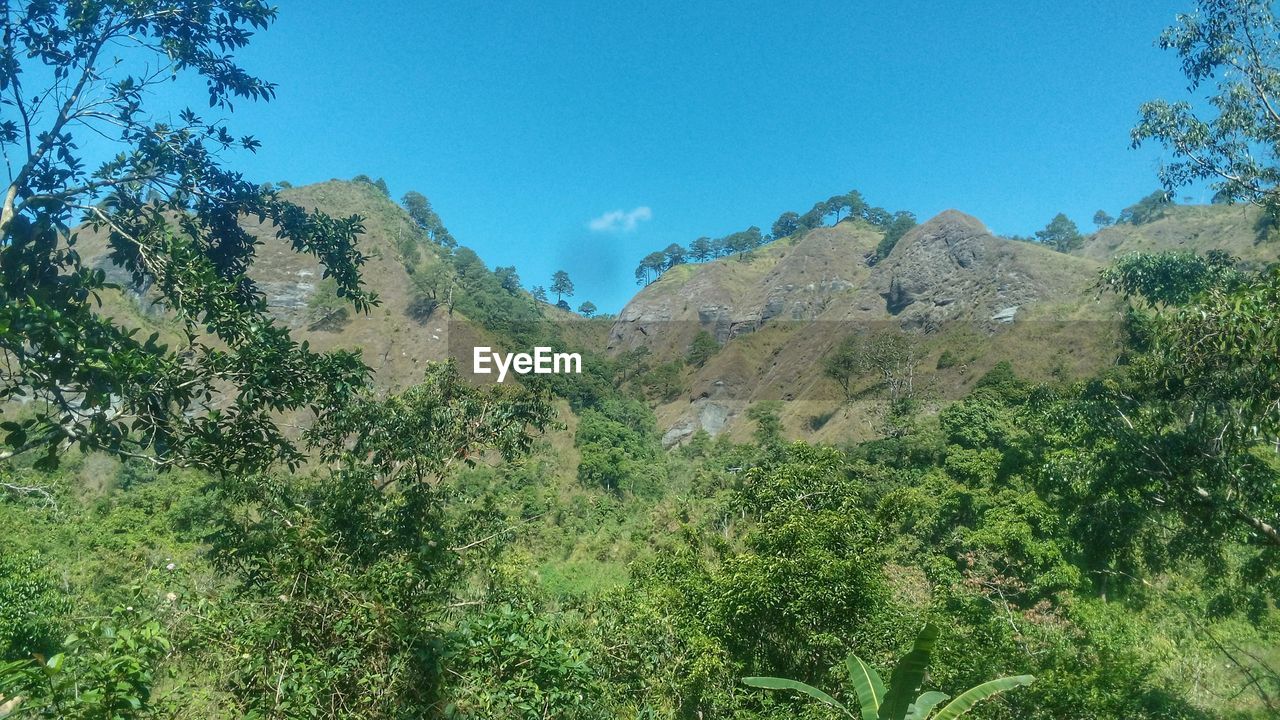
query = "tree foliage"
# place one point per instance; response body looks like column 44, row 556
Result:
column 898, row 700
column 561, row 285
column 1061, row 234
column 1229, row 50
column 170, row 217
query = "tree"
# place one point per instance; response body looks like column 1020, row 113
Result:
column 787, row 224
column 508, row 278
column 419, row 209
column 674, row 255
column 744, row 242
column 1171, row 279
column 1149, row 208
column 1232, row 45
column 1191, row 422
column 815, row 217
column 837, row 204
column 903, row 222
column 308, row 555
column 422, row 214
column 432, row 288
column 767, row 417
column 1102, row 219
column 561, row 285
column 856, row 204
column 700, row 250
column 587, row 309
column 170, row 214
column 704, row 345
column 415, row 438
column 654, row 263
column 1201, row 400
column 878, row 217
column 444, row 238
column 898, row 701
column 846, row 363
column 1061, row 234
column 650, row 268
column 539, row 293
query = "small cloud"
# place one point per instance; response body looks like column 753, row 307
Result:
column 620, row 220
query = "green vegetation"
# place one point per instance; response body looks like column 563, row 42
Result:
column 789, row 224
column 1148, row 209
column 903, row 222
column 561, row 285
column 895, row 702
column 1061, row 234
column 425, row 217
column 220, row 521
column 704, row 346
column 91, row 381
column 892, row 358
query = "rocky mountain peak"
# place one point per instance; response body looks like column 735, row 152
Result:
column 953, row 268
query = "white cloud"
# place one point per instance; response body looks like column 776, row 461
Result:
column 620, row 220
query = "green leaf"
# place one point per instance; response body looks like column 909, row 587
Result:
column 867, row 684
column 971, row 697
column 774, row 683
column 925, row 704
column 908, row 675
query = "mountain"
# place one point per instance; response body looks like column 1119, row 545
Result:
column 395, row 340
column 1239, row 230
column 967, row 299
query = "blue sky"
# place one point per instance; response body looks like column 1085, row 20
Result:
column 524, row 122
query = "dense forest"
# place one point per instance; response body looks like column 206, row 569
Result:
column 202, row 515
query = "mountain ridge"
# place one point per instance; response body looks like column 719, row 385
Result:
column 775, row 312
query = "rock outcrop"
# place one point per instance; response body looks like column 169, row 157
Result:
column 950, row 272
column 953, row 268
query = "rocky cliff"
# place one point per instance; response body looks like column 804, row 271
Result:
column 950, row 283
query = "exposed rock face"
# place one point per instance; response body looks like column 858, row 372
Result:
column 392, row 343
column 804, row 296
column 952, row 268
column 704, row 414
column 784, row 281
column 1006, row 315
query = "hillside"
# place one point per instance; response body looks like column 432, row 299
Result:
column 395, row 341
column 959, row 290
column 1231, row 228
column 950, row 284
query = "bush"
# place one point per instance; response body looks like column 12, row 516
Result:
column 32, row 608
column 704, row 345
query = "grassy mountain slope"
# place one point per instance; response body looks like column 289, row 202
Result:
column 394, row 342
column 968, row 298
column 1232, row 228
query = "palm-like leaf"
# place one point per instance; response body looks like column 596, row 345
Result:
column 908, row 675
column 867, row 685
column 969, row 698
column 776, row 683
column 925, row 704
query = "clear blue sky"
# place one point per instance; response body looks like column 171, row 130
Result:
column 525, row 121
